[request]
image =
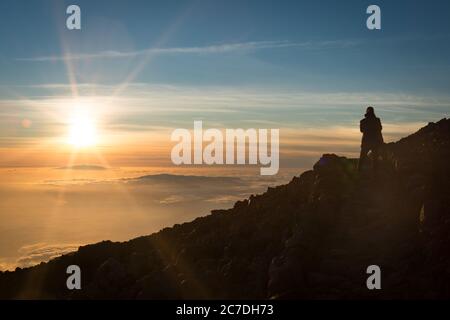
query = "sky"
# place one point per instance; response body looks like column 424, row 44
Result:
column 143, row 68
column 313, row 45
column 137, row 70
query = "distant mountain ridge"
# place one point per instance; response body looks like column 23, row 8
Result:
column 312, row 238
column 177, row 178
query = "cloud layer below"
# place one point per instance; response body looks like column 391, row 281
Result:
column 49, row 217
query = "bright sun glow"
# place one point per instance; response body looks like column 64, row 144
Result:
column 82, row 130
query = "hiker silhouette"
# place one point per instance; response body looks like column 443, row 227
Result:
column 372, row 138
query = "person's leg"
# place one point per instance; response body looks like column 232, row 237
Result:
column 362, row 157
column 375, row 154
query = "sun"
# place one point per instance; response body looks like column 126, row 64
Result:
column 82, row 130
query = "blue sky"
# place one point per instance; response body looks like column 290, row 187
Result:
column 329, row 46
column 296, row 65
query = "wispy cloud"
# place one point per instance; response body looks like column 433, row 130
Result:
column 210, row 49
column 42, row 252
column 30, row 255
column 154, row 94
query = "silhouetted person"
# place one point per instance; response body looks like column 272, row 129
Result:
column 372, row 138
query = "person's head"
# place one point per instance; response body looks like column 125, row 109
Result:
column 370, row 112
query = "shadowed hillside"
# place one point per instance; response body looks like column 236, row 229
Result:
column 312, row 238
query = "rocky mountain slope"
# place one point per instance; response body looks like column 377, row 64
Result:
column 312, row 238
